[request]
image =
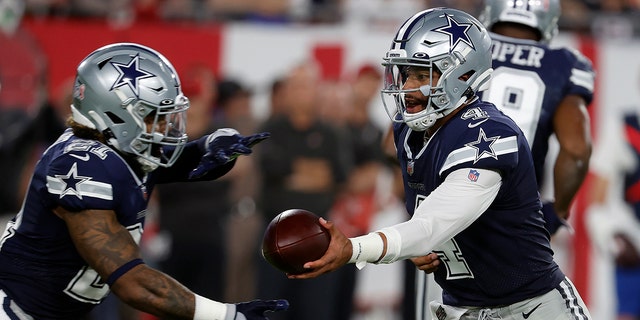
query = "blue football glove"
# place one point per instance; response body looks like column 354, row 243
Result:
column 223, row 146
column 256, row 309
column 551, row 220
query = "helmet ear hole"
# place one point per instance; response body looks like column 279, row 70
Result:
column 114, row 118
column 467, row 75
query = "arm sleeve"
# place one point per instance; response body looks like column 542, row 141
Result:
column 448, row 210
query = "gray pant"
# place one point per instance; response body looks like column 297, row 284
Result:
column 562, row 303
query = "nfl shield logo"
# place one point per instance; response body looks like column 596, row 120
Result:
column 410, row 165
column 473, row 175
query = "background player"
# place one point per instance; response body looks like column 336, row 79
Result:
column 468, row 181
column 545, row 91
column 76, row 237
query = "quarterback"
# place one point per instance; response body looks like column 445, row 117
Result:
column 469, row 184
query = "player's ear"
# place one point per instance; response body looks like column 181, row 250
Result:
column 467, row 75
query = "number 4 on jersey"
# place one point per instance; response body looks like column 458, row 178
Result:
column 451, row 256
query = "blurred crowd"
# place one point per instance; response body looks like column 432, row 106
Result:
column 599, row 17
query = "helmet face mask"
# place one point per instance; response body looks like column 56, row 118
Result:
column 542, row 16
column 448, row 52
column 131, row 94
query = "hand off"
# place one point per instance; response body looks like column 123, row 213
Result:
column 223, row 146
column 336, row 256
column 255, row 310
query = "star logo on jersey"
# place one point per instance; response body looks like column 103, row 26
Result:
column 457, row 32
column 71, row 181
column 130, row 75
column 483, row 146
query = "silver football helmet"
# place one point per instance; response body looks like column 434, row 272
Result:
column 447, row 41
column 131, row 94
column 542, row 15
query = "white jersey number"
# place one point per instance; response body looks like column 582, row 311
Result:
column 451, row 255
column 519, row 94
column 87, row 286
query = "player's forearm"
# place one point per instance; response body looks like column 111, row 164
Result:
column 435, row 221
column 569, row 173
column 152, row 291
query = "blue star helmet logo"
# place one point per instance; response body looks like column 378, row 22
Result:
column 457, row 32
column 130, row 74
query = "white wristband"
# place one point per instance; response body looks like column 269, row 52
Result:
column 367, row 248
column 207, row 309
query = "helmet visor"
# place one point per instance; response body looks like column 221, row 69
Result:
column 165, row 127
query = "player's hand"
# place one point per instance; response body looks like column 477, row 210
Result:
column 552, row 221
column 256, row 309
column 223, row 146
column 428, row 263
column 337, row 255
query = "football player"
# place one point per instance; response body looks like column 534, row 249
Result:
column 469, row 183
column 545, row 91
column 76, row 236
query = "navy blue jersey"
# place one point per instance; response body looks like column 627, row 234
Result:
column 504, row 256
column 528, row 83
column 39, row 266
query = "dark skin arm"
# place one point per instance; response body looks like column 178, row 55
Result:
column 106, row 245
column 571, row 126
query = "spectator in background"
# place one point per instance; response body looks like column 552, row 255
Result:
column 206, row 203
column 304, row 166
column 244, row 225
column 24, row 105
column 349, row 207
column 357, row 204
column 613, row 217
column 614, row 18
column 277, row 98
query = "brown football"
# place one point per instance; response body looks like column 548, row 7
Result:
column 293, row 238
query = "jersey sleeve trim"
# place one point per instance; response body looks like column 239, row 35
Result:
column 583, row 79
column 80, row 186
column 469, row 153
